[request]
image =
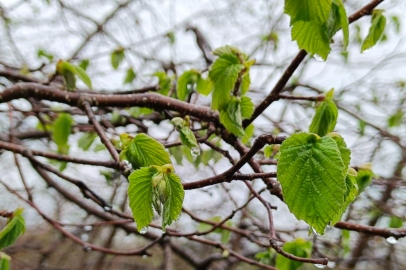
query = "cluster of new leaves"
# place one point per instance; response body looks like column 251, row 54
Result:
column 314, row 23
column 153, row 184
column 314, row 173
column 69, row 73
column 14, row 228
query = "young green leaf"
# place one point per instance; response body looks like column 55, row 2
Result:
column 62, row 129
column 69, row 72
column 4, row 261
column 86, row 140
column 312, row 175
column 338, row 19
column 224, row 73
column 164, row 83
column 312, row 37
column 117, row 57
column 364, row 178
column 249, row 131
column 83, row 76
column 130, row 76
column 352, row 192
column 14, row 228
column 42, row 53
column 299, row 247
column 203, row 86
column 325, row 118
column 245, row 84
column 308, row 10
column 231, row 118
column 140, row 196
column 186, row 82
column 144, row 151
column 173, row 205
column 268, row 151
column 226, row 50
column 395, row 222
column 378, row 23
column 84, row 64
column 247, row 107
column 396, row 119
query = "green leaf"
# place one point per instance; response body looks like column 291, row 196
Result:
column 186, row 82
column 164, row 83
column 231, row 118
column 173, row 205
column 171, row 37
column 312, row 175
column 247, row 107
column 188, row 139
column 144, row 151
column 84, row 64
column 245, row 84
column 352, row 192
column 83, row 76
column 342, row 147
column 129, row 78
column 325, row 118
column 224, row 73
column 177, row 153
column 363, row 178
column 312, row 37
column 249, row 131
column 140, row 196
column 338, row 19
column 395, row 222
column 268, row 151
column 86, row 140
column 396, row 119
column 226, row 50
column 4, row 261
column 139, row 111
column 299, row 247
column 308, row 10
column 378, row 23
column 99, row 147
column 42, row 53
column 117, row 57
column 203, row 86
column 14, row 228
column 62, row 129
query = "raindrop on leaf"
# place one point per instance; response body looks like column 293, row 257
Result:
column 195, row 151
column 392, row 240
column 143, row 230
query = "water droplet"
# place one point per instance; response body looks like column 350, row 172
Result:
column 88, row 228
column 315, row 232
column 107, row 208
column 392, row 240
column 318, row 58
column 87, row 249
column 144, row 99
column 331, row 264
column 84, row 237
column 144, row 256
column 321, row 266
column 144, row 230
column 195, row 151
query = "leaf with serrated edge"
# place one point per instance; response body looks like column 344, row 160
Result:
column 352, row 192
column 144, row 151
column 308, row 10
column 14, row 228
column 312, row 175
column 140, row 196
column 173, row 205
column 325, row 118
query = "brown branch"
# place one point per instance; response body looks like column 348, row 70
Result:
column 397, row 233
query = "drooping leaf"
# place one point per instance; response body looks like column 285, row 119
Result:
column 140, row 196
column 186, row 82
column 62, row 129
column 144, row 151
column 130, row 76
column 378, row 23
column 86, row 140
column 312, row 175
column 247, row 107
column 338, row 19
column 173, row 205
column 224, row 73
column 203, row 86
column 14, row 228
column 83, row 76
column 325, row 118
column 117, row 57
column 299, row 247
column 231, row 118
column 312, row 37
column 363, row 178
column 4, row 261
